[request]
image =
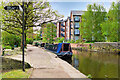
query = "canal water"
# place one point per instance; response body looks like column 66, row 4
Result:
column 96, row 65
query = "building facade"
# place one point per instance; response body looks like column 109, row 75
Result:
column 69, row 28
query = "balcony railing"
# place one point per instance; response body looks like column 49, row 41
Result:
column 76, row 27
column 62, row 29
column 62, row 35
column 63, row 25
column 77, row 33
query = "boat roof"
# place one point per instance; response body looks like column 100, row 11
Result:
column 60, row 46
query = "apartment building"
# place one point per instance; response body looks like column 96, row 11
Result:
column 75, row 24
column 69, row 28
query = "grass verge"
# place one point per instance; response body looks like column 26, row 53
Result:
column 17, row 74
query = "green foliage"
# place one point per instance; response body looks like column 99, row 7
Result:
column 49, row 33
column 10, row 40
column 29, row 40
column 68, row 41
column 37, row 37
column 78, row 41
column 110, row 26
column 13, row 21
column 6, row 46
column 89, row 42
column 72, row 41
column 89, row 76
column 90, row 26
column 60, row 40
column 16, row 74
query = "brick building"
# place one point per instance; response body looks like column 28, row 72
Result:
column 69, row 28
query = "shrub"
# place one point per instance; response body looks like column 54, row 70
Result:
column 29, row 40
column 6, row 47
column 60, row 40
column 10, row 39
column 78, row 41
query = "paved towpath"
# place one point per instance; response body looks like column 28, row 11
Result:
column 45, row 65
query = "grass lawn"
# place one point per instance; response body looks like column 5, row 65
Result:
column 17, row 74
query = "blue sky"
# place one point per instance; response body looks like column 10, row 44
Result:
column 65, row 8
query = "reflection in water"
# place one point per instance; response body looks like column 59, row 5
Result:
column 99, row 65
column 69, row 60
column 75, row 62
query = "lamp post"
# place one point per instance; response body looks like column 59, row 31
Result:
column 23, row 62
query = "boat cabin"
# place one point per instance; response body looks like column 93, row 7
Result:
column 64, row 47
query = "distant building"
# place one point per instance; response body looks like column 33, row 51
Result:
column 69, row 28
column 75, row 24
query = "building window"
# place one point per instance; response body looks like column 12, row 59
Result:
column 77, row 18
column 77, row 25
column 77, row 31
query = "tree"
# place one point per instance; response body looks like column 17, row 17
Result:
column 10, row 39
column 36, row 14
column 49, row 33
column 110, row 26
column 90, row 26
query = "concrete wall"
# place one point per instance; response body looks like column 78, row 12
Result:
column 99, row 46
column 110, row 45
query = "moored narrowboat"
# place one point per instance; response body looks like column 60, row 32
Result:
column 64, row 50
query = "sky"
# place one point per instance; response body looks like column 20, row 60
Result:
column 65, row 7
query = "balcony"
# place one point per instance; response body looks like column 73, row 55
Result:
column 62, row 35
column 76, row 32
column 62, row 29
column 63, row 25
column 77, row 19
column 76, row 27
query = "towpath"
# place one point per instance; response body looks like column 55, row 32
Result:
column 46, row 65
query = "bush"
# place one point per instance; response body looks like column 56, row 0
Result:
column 6, row 47
column 10, row 39
column 29, row 40
column 60, row 40
column 68, row 41
column 78, row 41
column 89, row 41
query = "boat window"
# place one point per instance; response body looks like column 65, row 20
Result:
column 66, row 47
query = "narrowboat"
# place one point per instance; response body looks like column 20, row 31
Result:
column 64, row 50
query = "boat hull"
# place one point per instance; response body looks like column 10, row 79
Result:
column 64, row 55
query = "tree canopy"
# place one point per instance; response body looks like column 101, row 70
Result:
column 36, row 13
column 49, row 33
column 110, row 26
column 91, row 19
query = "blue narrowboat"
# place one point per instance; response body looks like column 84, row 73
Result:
column 64, row 50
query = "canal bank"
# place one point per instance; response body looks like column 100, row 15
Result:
column 46, row 65
column 109, row 47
